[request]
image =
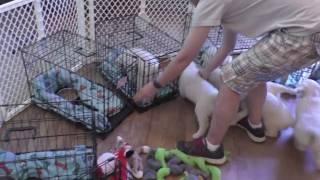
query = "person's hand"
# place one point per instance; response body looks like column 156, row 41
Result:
column 204, row 73
column 145, row 94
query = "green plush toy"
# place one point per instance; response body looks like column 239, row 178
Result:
column 199, row 163
column 162, row 154
column 162, row 173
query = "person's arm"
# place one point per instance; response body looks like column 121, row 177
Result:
column 229, row 41
column 189, row 51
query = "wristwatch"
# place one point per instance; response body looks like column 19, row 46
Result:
column 156, row 84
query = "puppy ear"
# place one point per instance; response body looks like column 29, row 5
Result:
column 129, row 153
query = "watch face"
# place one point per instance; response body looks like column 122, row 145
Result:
column 156, row 84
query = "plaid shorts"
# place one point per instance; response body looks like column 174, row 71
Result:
column 274, row 56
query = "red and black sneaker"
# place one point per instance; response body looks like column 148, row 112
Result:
column 198, row 148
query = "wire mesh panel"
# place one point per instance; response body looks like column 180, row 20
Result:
column 42, row 145
column 105, row 10
column 134, row 52
column 58, row 15
column 67, row 62
column 295, row 78
column 168, row 15
column 17, row 28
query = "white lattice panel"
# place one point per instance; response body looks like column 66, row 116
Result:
column 17, row 28
column 58, row 15
column 168, row 15
column 105, row 10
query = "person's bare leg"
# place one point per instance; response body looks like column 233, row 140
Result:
column 225, row 109
column 253, row 126
column 211, row 148
column 256, row 99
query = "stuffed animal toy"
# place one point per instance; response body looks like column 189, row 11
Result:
column 106, row 164
column 125, row 162
column 162, row 163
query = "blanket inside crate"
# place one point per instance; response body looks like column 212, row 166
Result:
column 64, row 164
column 95, row 101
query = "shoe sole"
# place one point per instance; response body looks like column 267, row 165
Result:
column 211, row 161
column 220, row 161
column 251, row 136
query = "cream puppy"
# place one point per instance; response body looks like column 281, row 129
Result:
column 203, row 95
column 276, row 114
column 307, row 128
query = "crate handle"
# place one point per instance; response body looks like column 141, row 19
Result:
column 140, row 36
column 17, row 129
column 82, row 52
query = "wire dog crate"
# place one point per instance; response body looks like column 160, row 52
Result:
column 62, row 76
column 135, row 52
column 36, row 144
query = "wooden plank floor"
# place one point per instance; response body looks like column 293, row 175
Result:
column 276, row 159
column 162, row 126
column 49, row 131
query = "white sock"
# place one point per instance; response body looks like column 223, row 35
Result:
column 211, row 147
column 255, row 126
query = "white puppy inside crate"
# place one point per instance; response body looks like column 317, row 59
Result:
column 307, row 128
column 276, row 114
column 148, row 65
column 202, row 94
